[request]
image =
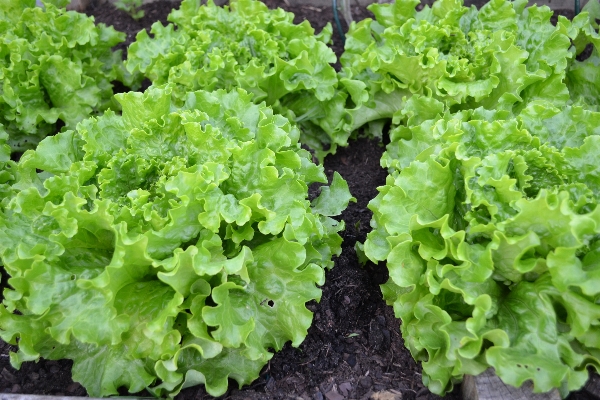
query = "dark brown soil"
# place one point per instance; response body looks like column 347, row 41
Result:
column 354, row 348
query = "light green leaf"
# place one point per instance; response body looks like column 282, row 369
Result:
column 333, row 199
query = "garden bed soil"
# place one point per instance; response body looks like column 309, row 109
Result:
column 354, row 348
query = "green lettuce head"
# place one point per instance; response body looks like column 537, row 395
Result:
column 171, row 246
column 56, row 69
column 490, row 227
column 488, row 220
column 249, row 46
column 500, row 57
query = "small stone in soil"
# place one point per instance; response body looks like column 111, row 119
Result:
column 351, row 360
column 386, row 335
column 16, row 388
column 326, row 386
column 386, row 395
column 365, row 382
column 318, row 396
column 8, row 376
column 34, row 376
column 54, row 369
column 345, row 388
column 333, row 395
column 73, row 387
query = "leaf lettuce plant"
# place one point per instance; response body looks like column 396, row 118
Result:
column 56, row 69
column 491, row 239
column 489, row 219
column 168, row 247
column 502, row 56
column 250, row 46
